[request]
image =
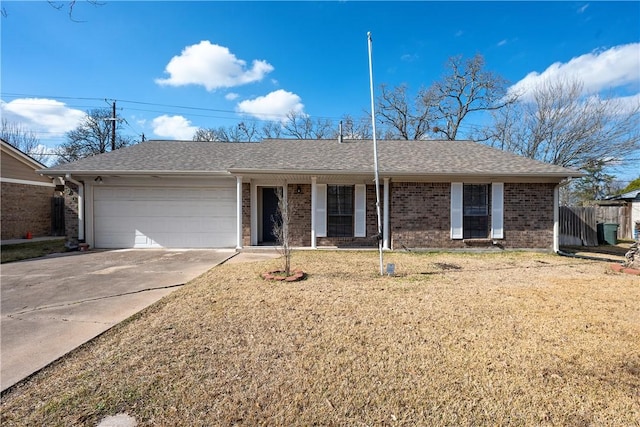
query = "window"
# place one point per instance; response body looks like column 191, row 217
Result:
column 339, row 210
column 475, row 209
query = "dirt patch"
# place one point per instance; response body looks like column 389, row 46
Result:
column 509, row 338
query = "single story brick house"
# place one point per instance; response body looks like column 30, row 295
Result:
column 434, row 194
column 26, row 195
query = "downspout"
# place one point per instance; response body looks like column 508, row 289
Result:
column 80, row 205
column 238, row 212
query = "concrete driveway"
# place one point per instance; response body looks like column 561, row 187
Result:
column 52, row 305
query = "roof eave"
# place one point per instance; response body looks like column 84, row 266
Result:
column 63, row 173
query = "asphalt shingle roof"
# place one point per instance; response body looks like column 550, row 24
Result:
column 330, row 156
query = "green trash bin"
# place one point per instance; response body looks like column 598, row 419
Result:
column 610, row 232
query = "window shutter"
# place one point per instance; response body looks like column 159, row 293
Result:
column 321, row 210
column 456, row 210
column 360, row 220
column 497, row 210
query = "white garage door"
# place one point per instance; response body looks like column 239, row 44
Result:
column 155, row 217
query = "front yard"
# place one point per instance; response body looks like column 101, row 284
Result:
column 453, row 339
column 28, row 250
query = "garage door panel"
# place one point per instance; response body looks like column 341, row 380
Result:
column 164, row 217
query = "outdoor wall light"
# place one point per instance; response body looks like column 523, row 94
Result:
column 98, row 180
column 299, row 189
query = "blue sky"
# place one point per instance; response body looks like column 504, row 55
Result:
column 232, row 61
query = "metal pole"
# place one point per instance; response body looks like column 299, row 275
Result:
column 113, row 128
column 375, row 158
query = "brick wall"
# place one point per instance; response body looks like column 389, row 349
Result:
column 25, row 208
column 420, row 216
column 528, row 215
column 300, row 214
column 71, row 212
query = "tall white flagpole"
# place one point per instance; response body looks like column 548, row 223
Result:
column 375, row 158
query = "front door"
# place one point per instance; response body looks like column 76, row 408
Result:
column 269, row 214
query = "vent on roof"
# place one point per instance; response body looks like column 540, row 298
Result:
column 340, row 132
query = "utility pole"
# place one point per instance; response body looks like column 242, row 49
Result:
column 113, row 127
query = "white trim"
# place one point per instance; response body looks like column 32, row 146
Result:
column 27, row 182
column 360, row 218
column 497, row 210
column 239, row 212
column 321, row 210
column 89, row 210
column 385, row 216
column 456, row 210
column 313, row 212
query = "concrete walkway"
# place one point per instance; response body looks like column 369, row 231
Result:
column 52, row 305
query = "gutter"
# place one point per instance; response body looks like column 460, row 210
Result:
column 80, row 205
column 55, row 173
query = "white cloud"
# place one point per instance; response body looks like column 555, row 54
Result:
column 502, row 42
column 231, row 96
column 583, row 8
column 42, row 115
column 628, row 104
column 212, row 66
column 603, row 70
column 409, row 57
column 176, row 127
column 273, row 106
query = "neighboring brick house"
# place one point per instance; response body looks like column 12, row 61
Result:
column 26, row 195
column 433, row 194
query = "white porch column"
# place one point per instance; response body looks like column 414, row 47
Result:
column 313, row 212
column 239, row 212
column 385, row 216
column 556, row 218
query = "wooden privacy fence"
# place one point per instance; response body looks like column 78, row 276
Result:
column 579, row 225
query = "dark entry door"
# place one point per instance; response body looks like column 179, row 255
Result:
column 269, row 214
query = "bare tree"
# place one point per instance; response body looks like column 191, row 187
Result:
column 403, row 118
column 281, row 229
column 22, row 138
column 467, row 88
column 92, row 136
column 207, row 135
column 441, row 109
column 60, row 5
column 301, row 126
column 271, row 130
column 242, row 132
column 355, row 128
column 561, row 126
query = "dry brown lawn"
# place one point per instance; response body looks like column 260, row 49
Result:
column 453, row 339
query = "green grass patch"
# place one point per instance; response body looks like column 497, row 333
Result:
column 30, row 250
